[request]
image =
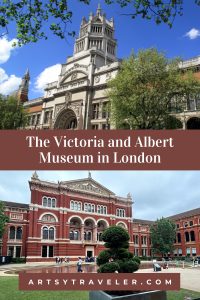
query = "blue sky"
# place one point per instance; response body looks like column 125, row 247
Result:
column 131, row 34
column 155, row 193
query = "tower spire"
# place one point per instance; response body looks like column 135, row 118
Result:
column 22, row 95
column 99, row 9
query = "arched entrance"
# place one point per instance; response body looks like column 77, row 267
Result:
column 66, row 120
column 193, row 123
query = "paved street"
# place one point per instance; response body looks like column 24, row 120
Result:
column 190, row 277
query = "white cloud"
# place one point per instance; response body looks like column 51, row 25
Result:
column 8, row 84
column 193, row 34
column 6, row 47
column 3, row 75
column 49, row 74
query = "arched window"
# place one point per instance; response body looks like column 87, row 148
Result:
column 49, row 202
column 51, row 233
column 19, row 233
column 72, row 205
column 178, row 237
column 12, row 233
column 192, row 236
column 75, row 205
column 48, row 218
column 93, row 208
column 121, row 225
column 85, row 207
column 44, row 201
column 79, row 206
column 45, row 234
column 187, row 238
column 53, row 202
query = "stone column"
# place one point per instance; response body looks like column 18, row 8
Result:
column 95, row 234
column 82, row 232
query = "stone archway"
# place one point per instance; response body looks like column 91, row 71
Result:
column 193, row 123
column 66, row 120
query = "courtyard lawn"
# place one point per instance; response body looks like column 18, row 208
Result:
column 9, row 291
column 179, row 295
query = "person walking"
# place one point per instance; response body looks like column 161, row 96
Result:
column 79, row 265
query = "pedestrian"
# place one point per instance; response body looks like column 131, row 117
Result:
column 79, row 265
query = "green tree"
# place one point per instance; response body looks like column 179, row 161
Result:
column 163, row 234
column 146, row 90
column 34, row 19
column 3, row 219
column 116, row 257
column 12, row 114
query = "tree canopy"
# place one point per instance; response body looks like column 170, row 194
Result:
column 35, row 19
column 12, row 114
column 3, row 219
column 148, row 87
column 163, row 234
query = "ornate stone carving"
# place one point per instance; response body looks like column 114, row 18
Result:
column 108, row 76
column 97, row 79
column 58, row 108
column 68, row 98
column 74, row 76
column 88, row 187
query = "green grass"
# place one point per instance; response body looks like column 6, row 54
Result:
column 179, row 295
column 9, row 291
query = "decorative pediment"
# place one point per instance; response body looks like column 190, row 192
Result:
column 75, row 75
column 87, row 185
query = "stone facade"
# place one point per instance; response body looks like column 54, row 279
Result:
column 78, row 99
column 66, row 219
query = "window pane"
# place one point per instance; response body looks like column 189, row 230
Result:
column 12, row 233
column 71, row 235
column 53, row 202
column 45, row 201
column 45, row 233
column 18, row 251
column 75, row 206
column 51, row 233
column 19, row 233
column 49, row 202
column 44, row 251
column 50, row 251
column 72, row 205
column 76, row 235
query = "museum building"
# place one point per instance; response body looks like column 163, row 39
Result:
column 78, row 99
column 67, row 219
column 64, row 219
